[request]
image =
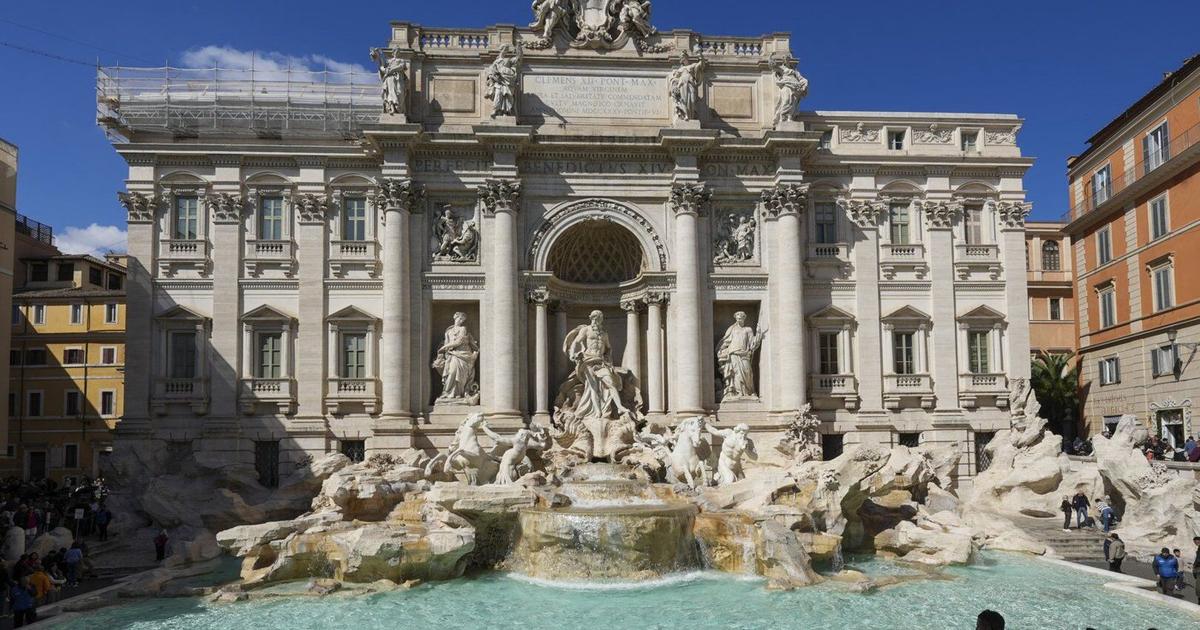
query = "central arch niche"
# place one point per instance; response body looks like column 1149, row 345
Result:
column 596, row 252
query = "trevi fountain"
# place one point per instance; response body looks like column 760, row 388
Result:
column 691, row 484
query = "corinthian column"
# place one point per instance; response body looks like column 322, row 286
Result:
column 942, row 364
column 687, row 202
column 865, row 215
column 499, row 199
column 1012, row 216
column 781, row 208
column 397, row 198
column 654, row 348
column 632, row 359
column 541, row 386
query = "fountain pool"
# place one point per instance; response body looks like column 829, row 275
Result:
column 1030, row 594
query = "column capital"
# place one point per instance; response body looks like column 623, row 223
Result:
column 865, row 213
column 631, row 306
column 225, row 207
column 1013, row 214
column 499, row 195
column 139, row 207
column 311, row 208
column 688, row 198
column 784, row 199
column 539, row 296
column 656, row 298
column 398, row 194
column 941, row 213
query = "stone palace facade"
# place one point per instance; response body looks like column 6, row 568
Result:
column 320, row 265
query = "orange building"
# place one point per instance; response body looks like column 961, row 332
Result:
column 1135, row 230
column 1051, row 298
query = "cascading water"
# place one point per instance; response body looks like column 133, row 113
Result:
column 836, row 561
column 615, row 528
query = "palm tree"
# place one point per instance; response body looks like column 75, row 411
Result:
column 1055, row 381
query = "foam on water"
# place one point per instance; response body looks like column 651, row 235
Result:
column 674, row 579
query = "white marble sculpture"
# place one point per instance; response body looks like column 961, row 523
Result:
column 454, row 240
column 688, row 453
column 465, row 454
column 735, row 445
column 793, row 87
column 633, row 16
column 549, row 16
column 393, row 78
column 455, row 361
column 684, row 83
column 1023, row 403
column 513, row 462
column 502, row 78
column 735, row 238
column 802, row 442
column 735, row 356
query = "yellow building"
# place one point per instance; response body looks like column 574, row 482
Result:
column 8, row 212
column 66, row 365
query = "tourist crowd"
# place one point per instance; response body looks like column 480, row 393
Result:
column 1158, row 449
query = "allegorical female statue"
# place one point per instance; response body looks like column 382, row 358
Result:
column 684, row 82
column 792, row 88
column 393, row 78
column 735, row 355
column 456, row 361
column 502, row 78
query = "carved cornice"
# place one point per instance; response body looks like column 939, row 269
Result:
column 225, row 207
column 688, row 198
column 139, row 208
column 940, row 214
column 311, row 208
column 784, row 199
column 864, row 213
column 499, row 195
column 398, row 194
column 1013, row 213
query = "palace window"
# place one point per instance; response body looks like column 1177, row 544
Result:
column 970, row 140
column 187, row 218
column 1163, row 360
column 108, row 403
column 898, row 217
column 904, row 353
column 1158, row 217
column 70, row 456
column 1102, row 185
column 977, row 351
column 72, row 403
column 114, row 282
column 1163, row 286
column 973, row 225
column 828, row 352
column 826, row 222
column 1055, row 308
column 33, row 404
column 66, row 272
column 108, row 355
column 39, row 272
column 1108, row 306
column 270, row 219
column 182, row 352
column 35, row 357
column 354, row 355
column 1110, row 371
column 1104, row 245
column 266, row 462
column 269, row 355
column 354, row 219
column 911, row 440
column 1051, row 259
column 110, row 313
column 355, row 450
column 896, row 140
column 76, row 313
column 1155, row 147
column 95, row 276
column 14, row 357
column 73, row 356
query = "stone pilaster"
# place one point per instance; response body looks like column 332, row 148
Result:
column 141, row 215
column 312, row 350
column 687, row 202
column 225, row 207
column 397, row 197
column 942, row 355
column 865, row 216
column 500, row 201
column 782, row 208
column 1012, row 216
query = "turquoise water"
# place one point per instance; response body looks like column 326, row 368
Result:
column 1029, row 594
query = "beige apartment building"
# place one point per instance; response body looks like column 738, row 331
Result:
column 1051, row 298
column 8, row 213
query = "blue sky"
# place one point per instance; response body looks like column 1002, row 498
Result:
column 1066, row 67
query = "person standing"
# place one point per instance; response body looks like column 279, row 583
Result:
column 23, row 601
column 1166, row 567
column 1196, row 567
column 73, row 558
column 1066, row 510
column 1107, row 515
column 1081, row 504
column 103, row 518
column 1114, row 552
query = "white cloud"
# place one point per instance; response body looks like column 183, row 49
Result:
column 94, row 239
column 274, row 66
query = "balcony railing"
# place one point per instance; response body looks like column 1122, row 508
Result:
column 976, row 253
column 828, row 251
column 352, row 390
column 983, row 383
column 1170, row 153
column 907, row 383
column 280, row 391
column 362, row 251
column 183, row 249
column 908, row 252
column 833, row 384
column 269, row 250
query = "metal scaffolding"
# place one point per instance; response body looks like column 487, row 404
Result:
column 189, row 102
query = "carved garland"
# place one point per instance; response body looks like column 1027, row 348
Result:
column 598, row 207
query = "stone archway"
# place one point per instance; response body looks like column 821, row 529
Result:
column 563, row 218
column 596, row 252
